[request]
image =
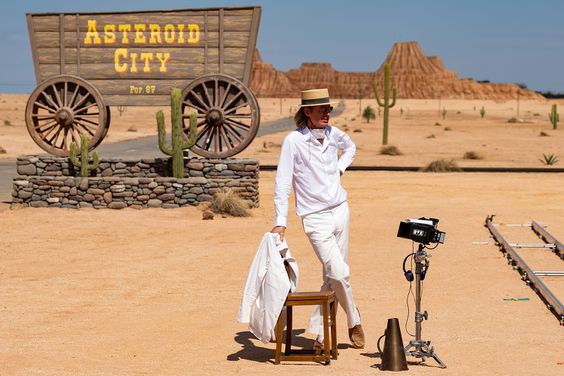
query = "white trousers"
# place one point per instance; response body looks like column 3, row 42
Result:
column 328, row 233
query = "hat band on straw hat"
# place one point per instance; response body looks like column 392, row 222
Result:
column 316, row 101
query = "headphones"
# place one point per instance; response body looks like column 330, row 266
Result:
column 409, row 274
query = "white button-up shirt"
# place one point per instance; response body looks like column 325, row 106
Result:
column 314, row 170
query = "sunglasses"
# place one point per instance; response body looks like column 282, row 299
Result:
column 325, row 110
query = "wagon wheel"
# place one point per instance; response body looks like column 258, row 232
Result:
column 228, row 115
column 62, row 109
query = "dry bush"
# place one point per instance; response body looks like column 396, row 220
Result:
column 357, row 131
column 472, row 155
column 441, row 165
column 132, row 129
column 447, row 129
column 430, row 136
column 543, row 134
column 228, row 201
column 390, row 150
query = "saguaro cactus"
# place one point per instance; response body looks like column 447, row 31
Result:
column 179, row 141
column 554, row 117
column 386, row 104
column 85, row 166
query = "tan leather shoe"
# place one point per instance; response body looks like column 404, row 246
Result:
column 356, row 334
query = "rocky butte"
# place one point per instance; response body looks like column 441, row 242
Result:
column 416, row 76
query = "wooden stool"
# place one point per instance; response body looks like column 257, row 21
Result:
column 328, row 303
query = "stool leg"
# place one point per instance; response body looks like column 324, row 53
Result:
column 334, row 329
column 326, row 339
column 289, row 323
column 279, row 332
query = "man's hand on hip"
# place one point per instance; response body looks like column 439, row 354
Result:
column 279, row 230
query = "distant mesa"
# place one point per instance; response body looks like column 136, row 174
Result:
column 416, row 76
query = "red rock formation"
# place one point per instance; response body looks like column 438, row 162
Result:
column 418, row 76
column 269, row 83
column 413, row 73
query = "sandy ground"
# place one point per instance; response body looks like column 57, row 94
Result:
column 416, row 129
column 156, row 291
column 87, row 292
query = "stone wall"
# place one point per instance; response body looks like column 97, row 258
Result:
column 116, row 184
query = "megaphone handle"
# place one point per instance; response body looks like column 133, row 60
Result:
column 378, row 343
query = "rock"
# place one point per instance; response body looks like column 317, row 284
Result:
column 28, row 169
column 154, row 203
column 166, row 197
column 220, row 166
column 95, row 191
column 24, row 195
column 107, row 197
column 204, row 197
column 88, row 197
column 38, row 204
column 117, row 205
column 195, row 165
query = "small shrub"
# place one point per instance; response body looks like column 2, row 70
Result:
column 368, row 114
column 472, row 155
column 536, row 114
column 438, row 124
column 514, row 120
column 353, row 119
column 357, row 131
column 132, row 129
column 447, row 129
column 207, row 215
column 430, row 136
column 543, row 134
column 8, row 123
column 390, row 150
column 2, row 150
column 228, row 201
column 549, row 159
column 441, row 165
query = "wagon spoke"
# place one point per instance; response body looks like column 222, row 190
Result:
column 71, row 102
column 80, row 117
column 216, row 92
column 200, row 100
column 234, row 132
column 41, row 105
column 65, row 93
column 48, row 128
column 80, row 102
column 54, row 136
column 204, row 131
column 240, row 116
column 222, row 102
column 49, row 100
column 40, row 117
column 237, row 124
column 65, row 133
column 85, row 108
column 57, row 96
column 210, row 102
column 83, row 126
column 233, row 109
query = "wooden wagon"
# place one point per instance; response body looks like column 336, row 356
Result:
column 87, row 62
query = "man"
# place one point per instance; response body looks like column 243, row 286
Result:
column 309, row 163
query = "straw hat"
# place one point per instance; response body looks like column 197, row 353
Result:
column 315, row 97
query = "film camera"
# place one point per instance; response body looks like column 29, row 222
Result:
column 422, row 230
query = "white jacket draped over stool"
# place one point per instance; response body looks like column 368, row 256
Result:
column 267, row 286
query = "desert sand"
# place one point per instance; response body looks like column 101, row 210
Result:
column 104, row 292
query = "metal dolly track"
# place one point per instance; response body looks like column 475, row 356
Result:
column 530, row 276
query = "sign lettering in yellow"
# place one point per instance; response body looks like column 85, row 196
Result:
column 139, row 34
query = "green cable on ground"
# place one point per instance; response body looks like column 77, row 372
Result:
column 515, row 299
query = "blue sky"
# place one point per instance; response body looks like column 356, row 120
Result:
column 498, row 40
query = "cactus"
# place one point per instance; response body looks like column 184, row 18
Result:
column 85, row 166
column 179, row 141
column 121, row 109
column 386, row 104
column 554, row 117
column 482, row 112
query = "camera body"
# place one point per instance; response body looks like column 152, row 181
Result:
column 422, row 230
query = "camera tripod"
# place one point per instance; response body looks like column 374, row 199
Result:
column 421, row 348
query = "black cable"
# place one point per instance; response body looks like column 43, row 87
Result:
column 410, row 291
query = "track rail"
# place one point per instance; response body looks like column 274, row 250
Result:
column 527, row 274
